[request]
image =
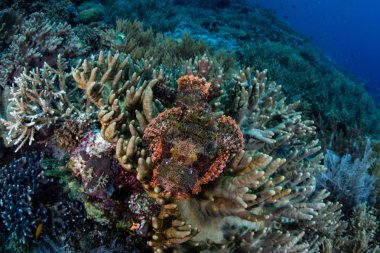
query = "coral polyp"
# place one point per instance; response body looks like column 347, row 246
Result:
column 189, row 145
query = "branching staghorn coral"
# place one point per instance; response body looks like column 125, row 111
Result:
column 261, row 199
column 38, row 41
column 358, row 235
column 365, row 222
column 38, row 100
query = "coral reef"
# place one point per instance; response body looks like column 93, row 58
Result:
column 136, row 10
column 37, row 41
column 29, row 210
column 302, row 67
column 195, row 166
column 55, row 11
column 257, row 38
column 65, row 216
column 126, row 180
column 154, row 145
column 131, row 38
column 359, row 234
column 91, row 161
column 89, row 12
column 271, row 182
column 69, row 135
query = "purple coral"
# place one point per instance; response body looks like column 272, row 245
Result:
column 125, row 180
column 92, row 161
column 347, row 180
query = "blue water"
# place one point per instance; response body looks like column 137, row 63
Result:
column 347, row 31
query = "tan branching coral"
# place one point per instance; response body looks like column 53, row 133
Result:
column 116, row 84
column 365, row 223
column 38, row 40
column 257, row 199
column 358, row 235
column 38, row 100
column 131, row 38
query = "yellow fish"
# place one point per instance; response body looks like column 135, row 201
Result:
column 135, row 226
column 39, row 228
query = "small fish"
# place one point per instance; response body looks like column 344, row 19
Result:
column 38, row 231
column 78, row 44
column 119, row 38
column 39, row 228
column 134, row 227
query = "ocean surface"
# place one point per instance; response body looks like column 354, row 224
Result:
column 346, row 30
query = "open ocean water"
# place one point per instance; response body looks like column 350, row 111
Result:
column 346, row 30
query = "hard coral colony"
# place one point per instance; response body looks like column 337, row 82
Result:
column 213, row 194
column 230, row 163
